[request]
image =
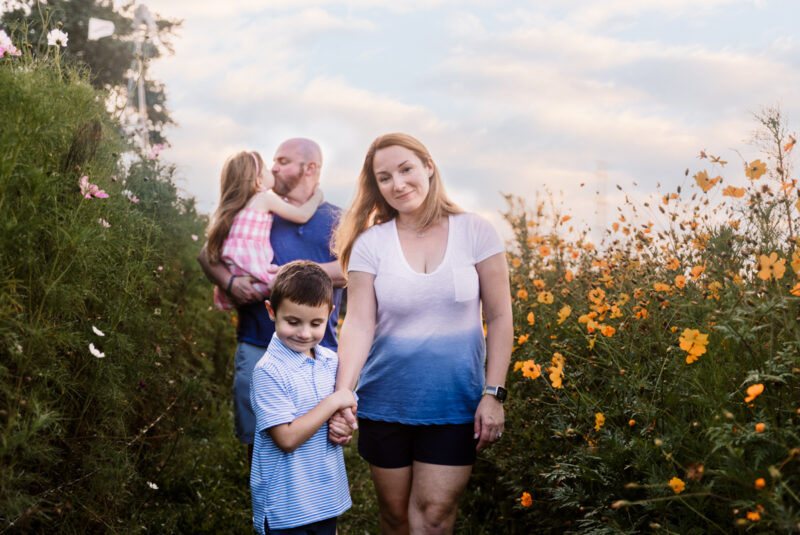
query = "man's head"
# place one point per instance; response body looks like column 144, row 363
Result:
column 296, row 168
column 301, row 300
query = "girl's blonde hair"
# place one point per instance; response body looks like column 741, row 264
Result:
column 370, row 208
column 238, row 183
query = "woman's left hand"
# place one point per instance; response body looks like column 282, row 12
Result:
column 489, row 421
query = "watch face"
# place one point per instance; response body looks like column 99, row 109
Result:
column 501, row 393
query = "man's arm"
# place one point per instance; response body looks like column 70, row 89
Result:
column 241, row 292
column 334, row 271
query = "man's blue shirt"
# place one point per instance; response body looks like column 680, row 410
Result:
column 290, row 241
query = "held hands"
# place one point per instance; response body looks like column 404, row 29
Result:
column 342, row 424
column 489, row 421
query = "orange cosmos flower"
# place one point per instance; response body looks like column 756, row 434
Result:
column 788, row 186
column 795, row 263
column 531, row 370
column 608, row 331
column 631, row 422
column 538, row 284
column 545, row 298
column 661, row 287
column 673, row 263
column 680, row 281
column 615, row 226
column 694, row 343
column 530, row 318
column 515, row 262
column 677, row 485
column 755, row 169
column 753, row 391
column 568, row 275
column 697, row 271
column 753, row 515
column 556, row 370
column 596, row 296
column 544, row 250
column 789, row 146
column 565, row 219
column 760, row 427
column 795, row 290
column 730, row 191
column 760, row 483
column 526, row 500
column 599, row 421
column 522, row 293
column 771, row 266
column 522, row 339
column 564, row 313
column 703, row 181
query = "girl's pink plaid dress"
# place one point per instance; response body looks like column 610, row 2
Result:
column 247, row 251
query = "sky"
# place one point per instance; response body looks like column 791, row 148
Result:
column 518, row 98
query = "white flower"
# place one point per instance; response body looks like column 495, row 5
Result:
column 194, row 237
column 96, row 352
column 97, row 331
column 57, row 38
column 104, row 222
column 152, row 485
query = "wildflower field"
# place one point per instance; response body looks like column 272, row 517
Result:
column 655, row 376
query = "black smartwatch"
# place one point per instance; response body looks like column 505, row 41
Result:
column 497, row 391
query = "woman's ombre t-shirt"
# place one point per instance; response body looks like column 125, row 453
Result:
column 426, row 363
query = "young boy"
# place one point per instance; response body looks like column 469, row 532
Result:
column 298, row 480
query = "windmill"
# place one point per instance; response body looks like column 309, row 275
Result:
column 144, row 29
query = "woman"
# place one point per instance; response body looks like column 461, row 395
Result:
column 419, row 272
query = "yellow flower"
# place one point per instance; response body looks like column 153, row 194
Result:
column 538, row 284
column 694, row 343
column 623, row 298
column 697, row 271
column 795, row 290
column 530, row 318
column 753, row 391
column 564, row 313
column 515, row 262
column 522, row 293
column 568, row 275
column 545, row 297
column 526, row 500
column 531, row 370
column 680, row 281
column 705, row 184
column 755, row 169
column 730, row 191
column 522, row 339
column 599, row 421
column 677, row 485
column 518, row 365
column 673, row 263
column 615, row 312
column 771, row 266
column 661, row 287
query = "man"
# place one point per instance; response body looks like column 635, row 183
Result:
column 296, row 168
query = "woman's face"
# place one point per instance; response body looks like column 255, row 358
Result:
column 403, row 179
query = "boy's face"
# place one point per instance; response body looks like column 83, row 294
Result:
column 300, row 327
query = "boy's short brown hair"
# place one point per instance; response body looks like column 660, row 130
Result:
column 302, row 282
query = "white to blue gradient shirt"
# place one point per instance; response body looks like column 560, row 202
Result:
column 426, row 363
column 309, row 484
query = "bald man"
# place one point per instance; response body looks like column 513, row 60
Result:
column 296, row 168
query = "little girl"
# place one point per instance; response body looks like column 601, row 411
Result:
column 239, row 231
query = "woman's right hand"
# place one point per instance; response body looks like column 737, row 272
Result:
column 243, row 291
column 318, row 196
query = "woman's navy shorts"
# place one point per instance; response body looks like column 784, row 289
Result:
column 396, row 445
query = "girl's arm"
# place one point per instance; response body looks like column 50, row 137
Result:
column 496, row 300
column 296, row 214
column 358, row 330
column 290, row 436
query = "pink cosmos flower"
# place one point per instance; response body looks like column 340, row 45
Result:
column 104, row 222
column 89, row 190
column 155, row 150
column 6, row 46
